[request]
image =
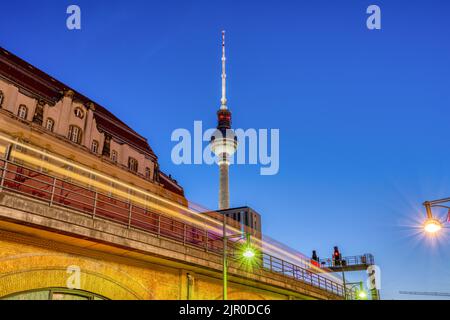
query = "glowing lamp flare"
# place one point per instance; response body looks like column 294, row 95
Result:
column 432, row 225
column 248, row 253
column 362, row 295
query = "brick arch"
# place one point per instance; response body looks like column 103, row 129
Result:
column 26, row 272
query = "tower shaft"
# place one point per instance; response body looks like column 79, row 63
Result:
column 224, row 193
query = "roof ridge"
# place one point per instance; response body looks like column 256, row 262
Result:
column 121, row 124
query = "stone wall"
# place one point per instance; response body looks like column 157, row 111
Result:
column 39, row 244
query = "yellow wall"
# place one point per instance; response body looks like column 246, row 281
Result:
column 26, row 267
column 30, row 263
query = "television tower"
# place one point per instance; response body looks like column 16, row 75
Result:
column 224, row 141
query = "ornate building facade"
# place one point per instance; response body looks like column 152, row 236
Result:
column 39, row 109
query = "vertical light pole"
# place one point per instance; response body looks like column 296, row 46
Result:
column 345, row 285
column 225, row 260
column 248, row 253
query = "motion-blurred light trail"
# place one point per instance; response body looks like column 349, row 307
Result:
column 184, row 213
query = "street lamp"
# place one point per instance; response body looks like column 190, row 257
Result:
column 248, row 253
column 362, row 295
column 357, row 287
column 433, row 225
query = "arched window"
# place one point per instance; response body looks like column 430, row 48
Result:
column 50, row 124
column 132, row 164
column 114, row 156
column 1, row 98
column 94, row 147
column 74, row 134
column 147, row 172
column 23, row 112
column 79, row 113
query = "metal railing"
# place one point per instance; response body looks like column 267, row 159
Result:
column 62, row 192
column 288, row 269
column 362, row 260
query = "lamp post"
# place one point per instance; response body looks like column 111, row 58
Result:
column 360, row 293
column 225, row 260
column 433, row 225
column 248, row 253
column 344, row 283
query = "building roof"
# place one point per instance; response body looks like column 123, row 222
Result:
column 170, row 184
column 247, row 208
column 46, row 88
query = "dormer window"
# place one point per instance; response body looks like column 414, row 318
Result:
column 74, row 134
column 114, row 156
column 133, row 164
column 94, row 147
column 23, row 112
column 79, row 113
column 50, row 124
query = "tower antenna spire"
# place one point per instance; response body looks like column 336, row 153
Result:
column 224, row 75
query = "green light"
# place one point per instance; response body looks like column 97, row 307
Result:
column 362, row 295
column 249, row 253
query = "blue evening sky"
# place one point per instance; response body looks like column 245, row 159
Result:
column 363, row 115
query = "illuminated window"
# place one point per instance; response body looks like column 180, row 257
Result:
column 132, row 164
column 79, row 113
column 50, row 124
column 23, row 112
column 94, row 147
column 147, row 172
column 74, row 134
column 114, row 156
